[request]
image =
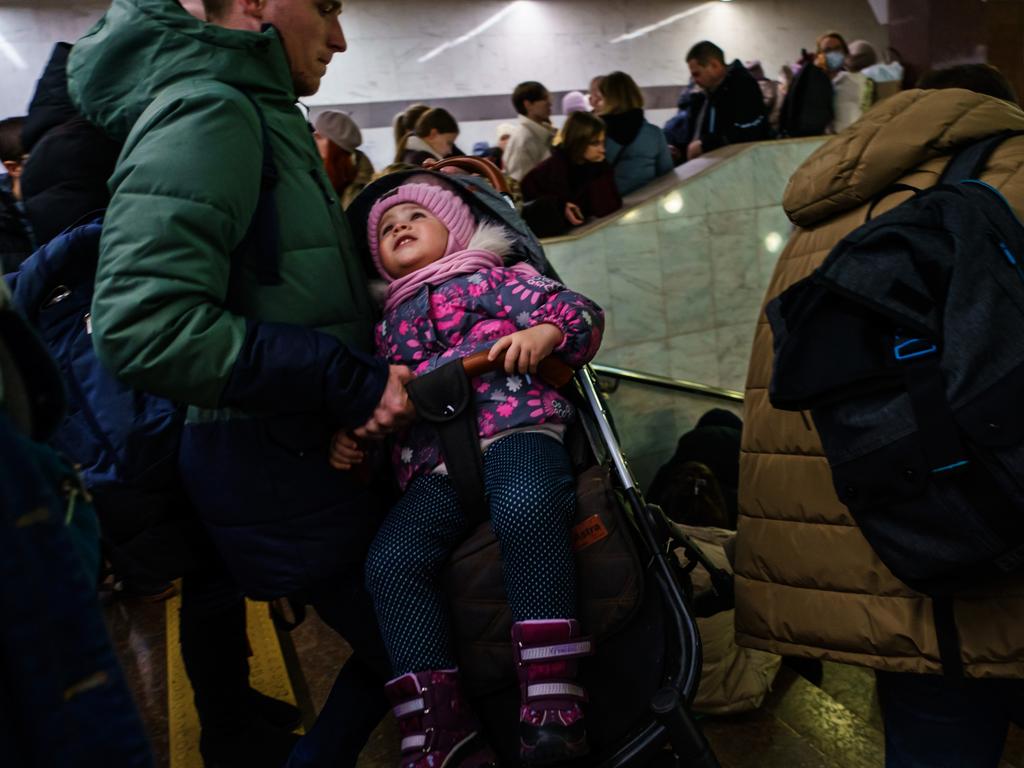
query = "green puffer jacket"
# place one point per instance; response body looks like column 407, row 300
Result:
column 185, row 190
column 268, row 368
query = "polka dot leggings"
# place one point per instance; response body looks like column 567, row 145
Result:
column 532, row 503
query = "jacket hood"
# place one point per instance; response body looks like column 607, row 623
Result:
column 896, row 136
column 51, row 106
column 623, row 127
column 140, row 47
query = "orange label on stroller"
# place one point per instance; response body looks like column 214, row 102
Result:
column 590, row 531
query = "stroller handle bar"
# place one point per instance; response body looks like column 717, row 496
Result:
column 551, row 369
column 475, row 166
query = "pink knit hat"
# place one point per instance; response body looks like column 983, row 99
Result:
column 447, row 206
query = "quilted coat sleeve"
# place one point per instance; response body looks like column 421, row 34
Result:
column 530, row 300
column 183, row 195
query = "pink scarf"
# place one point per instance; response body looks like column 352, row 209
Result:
column 440, row 271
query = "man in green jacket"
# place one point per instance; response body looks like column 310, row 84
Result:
column 228, row 280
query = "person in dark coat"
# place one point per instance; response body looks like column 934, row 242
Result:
column 152, row 534
column 677, row 128
column 575, row 183
column 65, row 177
column 15, row 235
column 637, row 150
column 63, row 694
column 706, row 464
column 731, row 109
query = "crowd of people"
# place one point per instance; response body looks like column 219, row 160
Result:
column 225, row 280
column 724, row 103
column 561, row 185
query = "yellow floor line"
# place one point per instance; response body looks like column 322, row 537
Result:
column 267, row 673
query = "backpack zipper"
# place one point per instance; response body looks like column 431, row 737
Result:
column 1013, row 261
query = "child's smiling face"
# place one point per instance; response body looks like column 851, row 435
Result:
column 410, row 237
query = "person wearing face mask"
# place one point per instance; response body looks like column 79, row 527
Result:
column 851, row 91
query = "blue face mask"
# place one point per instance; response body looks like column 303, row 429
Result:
column 835, row 59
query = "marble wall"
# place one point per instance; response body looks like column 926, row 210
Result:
column 408, row 49
column 681, row 278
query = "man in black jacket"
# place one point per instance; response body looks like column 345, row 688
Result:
column 730, row 110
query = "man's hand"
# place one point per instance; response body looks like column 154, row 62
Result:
column 345, row 451
column 394, row 410
column 526, row 348
column 573, row 214
column 695, row 150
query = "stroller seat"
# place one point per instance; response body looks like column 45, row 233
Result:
column 632, row 593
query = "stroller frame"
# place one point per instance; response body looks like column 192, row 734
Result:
column 672, row 724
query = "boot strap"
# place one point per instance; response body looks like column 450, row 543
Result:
column 413, row 742
column 410, row 707
column 536, row 691
column 573, row 650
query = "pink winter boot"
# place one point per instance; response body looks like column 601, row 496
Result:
column 551, row 724
column 438, row 729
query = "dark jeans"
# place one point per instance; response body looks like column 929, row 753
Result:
column 356, row 703
column 214, row 648
column 933, row 721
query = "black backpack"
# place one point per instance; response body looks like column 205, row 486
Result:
column 807, row 109
column 906, row 347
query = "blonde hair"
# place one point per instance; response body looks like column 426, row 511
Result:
column 405, row 122
column 621, row 94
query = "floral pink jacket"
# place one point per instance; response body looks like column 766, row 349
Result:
column 467, row 314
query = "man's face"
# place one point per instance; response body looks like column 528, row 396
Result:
column 311, row 33
column 707, row 76
column 539, row 111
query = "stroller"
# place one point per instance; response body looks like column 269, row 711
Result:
column 634, row 596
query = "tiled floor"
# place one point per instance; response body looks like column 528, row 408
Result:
column 799, row 726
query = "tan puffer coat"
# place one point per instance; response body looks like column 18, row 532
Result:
column 807, row 582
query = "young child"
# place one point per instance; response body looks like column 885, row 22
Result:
column 449, row 296
column 575, row 183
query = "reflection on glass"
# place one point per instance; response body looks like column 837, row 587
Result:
column 773, row 242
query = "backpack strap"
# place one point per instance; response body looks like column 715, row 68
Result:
column 890, row 190
column 926, row 386
column 969, row 162
column 947, row 636
column 261, row 242
column 444, row 399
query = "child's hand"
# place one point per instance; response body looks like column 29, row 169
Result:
column 573, row 214
column 345, row 451
column 526, row 348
